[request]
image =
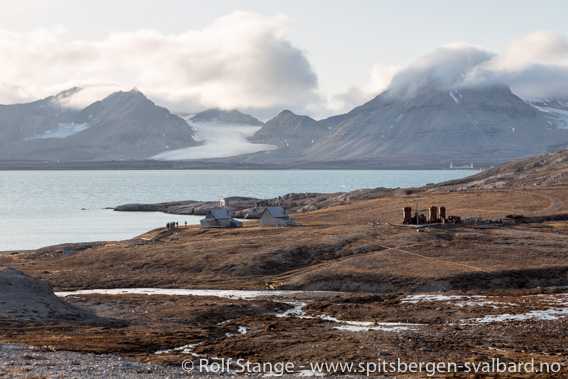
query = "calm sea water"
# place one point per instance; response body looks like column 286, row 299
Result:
column 42, row 208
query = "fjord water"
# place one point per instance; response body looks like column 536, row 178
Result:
column 42, row 208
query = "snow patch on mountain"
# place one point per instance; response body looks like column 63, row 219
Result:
column 63, row 130
column 456, row 96
column 558, row 116
column 221, row 140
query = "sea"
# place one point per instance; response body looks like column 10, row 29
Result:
column 44, row 208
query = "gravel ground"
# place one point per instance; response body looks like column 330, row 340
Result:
column 23, row 361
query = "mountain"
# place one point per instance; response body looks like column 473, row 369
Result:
column 20, row 121
column 226, row 117
column 124, row 125
column 289, row 131
column 468, row 123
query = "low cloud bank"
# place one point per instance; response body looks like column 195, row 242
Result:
column 533, row 66
column 246, row 61
column 242, row 60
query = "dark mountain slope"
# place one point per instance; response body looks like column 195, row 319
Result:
column 290, row 132
column 226, row 117
column 21, row 121
column 125, row 125
column 468, row 123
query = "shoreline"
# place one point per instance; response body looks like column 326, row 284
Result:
column 385, row 164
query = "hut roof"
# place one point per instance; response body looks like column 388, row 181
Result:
column 277, row 212
column 219, row 214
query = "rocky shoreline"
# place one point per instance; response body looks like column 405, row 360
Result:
column 251, row 208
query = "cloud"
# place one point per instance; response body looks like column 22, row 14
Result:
column 533, row 66
column 240, row 60
column 446, row 67
column 380, row 77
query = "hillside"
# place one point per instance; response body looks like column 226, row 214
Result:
column 25, row 121
column 123, row 126
column 290, row 132
column 547, row 170
column 216, row 115
column 472, row 123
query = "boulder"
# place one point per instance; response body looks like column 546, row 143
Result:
column 28, row 299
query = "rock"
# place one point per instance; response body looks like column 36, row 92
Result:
column 26, row 298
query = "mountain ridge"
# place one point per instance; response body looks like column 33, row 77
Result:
column 467, row 122
column 124, row 125
column 226, row 117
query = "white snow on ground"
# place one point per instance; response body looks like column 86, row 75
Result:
column 229, row 294
column 62, row 131
column 221, row 140
column 557, row 306
column 413, row 299
column 547, row 314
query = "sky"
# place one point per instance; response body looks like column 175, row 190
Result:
column 313, row 57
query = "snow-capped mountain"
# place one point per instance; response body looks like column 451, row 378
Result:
column 21, row 121
column 466, row 122
column 124, row 125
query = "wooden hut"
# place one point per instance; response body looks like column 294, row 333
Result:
column 219, row 218
column 275, row 216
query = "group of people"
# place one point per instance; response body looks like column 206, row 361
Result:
column 174, row 225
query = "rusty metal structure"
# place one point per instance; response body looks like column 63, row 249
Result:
column 436, row 215
column 433, row 214
column 407, row 214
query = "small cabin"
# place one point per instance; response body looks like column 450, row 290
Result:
column 219, row 218
column 275, row 216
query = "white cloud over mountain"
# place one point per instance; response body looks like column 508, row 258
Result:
column 242, row 60
column 536, row 65
column 247, row 61
column 533, row 66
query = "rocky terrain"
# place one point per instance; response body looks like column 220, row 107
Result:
column 252, row 208
column 546, row 170
column 28, row 299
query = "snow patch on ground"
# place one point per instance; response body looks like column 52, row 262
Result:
column 62, row 131
column 414, row 299
column 229, row 294
column 221, row 140
column 546, row 314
